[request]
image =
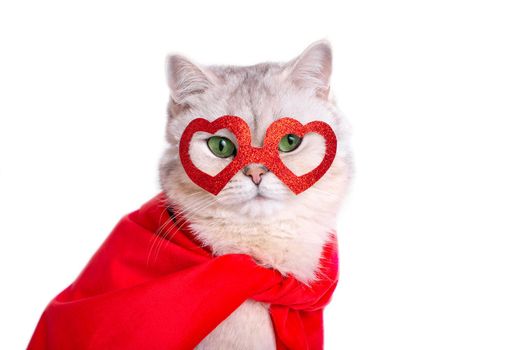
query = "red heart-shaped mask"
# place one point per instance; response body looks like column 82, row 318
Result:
column 268, row 154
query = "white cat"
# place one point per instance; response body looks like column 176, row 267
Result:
column 256, row 213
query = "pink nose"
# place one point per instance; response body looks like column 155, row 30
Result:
column 255, row 171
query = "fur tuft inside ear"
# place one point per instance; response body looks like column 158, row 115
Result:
column 186, row 79
column 313, row 68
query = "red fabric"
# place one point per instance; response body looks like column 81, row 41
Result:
column 130, row 298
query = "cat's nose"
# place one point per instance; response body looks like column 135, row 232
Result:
column 255, row 171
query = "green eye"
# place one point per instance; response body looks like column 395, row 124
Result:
column 222, row 147
column 289, row 142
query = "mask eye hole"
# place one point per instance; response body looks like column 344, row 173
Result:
column 221, row 147
column 289, row 143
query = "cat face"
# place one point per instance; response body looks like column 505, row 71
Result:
column 260, row 95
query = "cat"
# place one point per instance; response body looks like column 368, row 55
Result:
column 255, row 213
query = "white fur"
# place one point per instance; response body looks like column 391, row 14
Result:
column 249, row 327
column 279, row 229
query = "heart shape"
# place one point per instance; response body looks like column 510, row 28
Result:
column 268, row 154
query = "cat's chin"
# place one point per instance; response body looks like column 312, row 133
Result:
column 260, row 206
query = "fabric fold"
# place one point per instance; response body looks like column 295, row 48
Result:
column 152, row 286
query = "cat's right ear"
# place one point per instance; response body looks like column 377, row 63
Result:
column 185, row 79
column 312, row 69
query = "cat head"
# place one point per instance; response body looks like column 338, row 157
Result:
column 259, row 94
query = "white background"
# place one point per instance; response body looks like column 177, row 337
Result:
column 433, row 234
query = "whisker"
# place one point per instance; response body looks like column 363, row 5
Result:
column 159, row 235
column 178, row 224
column 193, row 207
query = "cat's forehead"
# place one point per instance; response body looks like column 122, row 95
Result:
column 260, row 96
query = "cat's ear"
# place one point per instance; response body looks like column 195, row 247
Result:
column 313, row 68
column 185, row 79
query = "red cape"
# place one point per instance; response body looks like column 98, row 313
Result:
column 130, row 298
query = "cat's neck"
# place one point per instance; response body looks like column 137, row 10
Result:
column 290, row 244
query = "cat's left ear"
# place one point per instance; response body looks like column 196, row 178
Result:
column 313, row 68
column 186, row 79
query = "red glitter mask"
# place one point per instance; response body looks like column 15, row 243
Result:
column 267, row 155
